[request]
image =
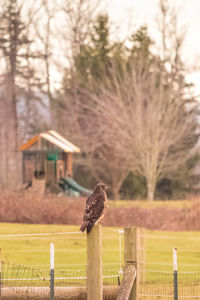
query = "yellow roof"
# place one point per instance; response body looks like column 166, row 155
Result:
column 61, row 138
column 54, row 138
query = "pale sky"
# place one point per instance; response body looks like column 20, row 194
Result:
column 144, row 12
column 128, row 15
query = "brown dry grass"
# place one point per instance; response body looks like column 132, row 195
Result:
column 26, row 207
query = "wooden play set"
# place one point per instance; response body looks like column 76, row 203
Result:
column 47, row 159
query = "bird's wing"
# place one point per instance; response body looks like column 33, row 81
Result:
column 92, row 201
column 94, row 207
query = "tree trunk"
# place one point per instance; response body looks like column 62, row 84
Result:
column 151, row 186
column 116, row 193
column 13, row 143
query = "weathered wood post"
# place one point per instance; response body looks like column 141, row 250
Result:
column 131, row 235
column 94, row 264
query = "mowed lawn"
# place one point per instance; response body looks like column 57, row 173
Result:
column 159, row 246
column 150, row 205
column 70, row 248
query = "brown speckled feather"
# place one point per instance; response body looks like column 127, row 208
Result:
column 95, row 208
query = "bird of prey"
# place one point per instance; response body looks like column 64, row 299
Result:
column 95, row 208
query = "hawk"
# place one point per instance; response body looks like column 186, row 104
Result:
column 95, row 208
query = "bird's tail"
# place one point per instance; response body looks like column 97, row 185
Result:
column 84, row 226
column 88, row 225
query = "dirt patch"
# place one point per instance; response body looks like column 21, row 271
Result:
column 26, row 207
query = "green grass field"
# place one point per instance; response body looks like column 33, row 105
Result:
column 150, row 205
column 70, row 249
column 159, row 246
column 70, row 256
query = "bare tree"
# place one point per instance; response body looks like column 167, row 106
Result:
column 44, row 37
column 155, row 123
column 77, row 20
column 144, row 119
column 172, row 38
column 139, row 123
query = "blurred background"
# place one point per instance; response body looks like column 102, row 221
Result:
column 118, row 80
column 95, row 91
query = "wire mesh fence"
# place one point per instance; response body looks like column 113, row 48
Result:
column 156, row 276
column 18, row 281
column 160, row 285
column 22, row 282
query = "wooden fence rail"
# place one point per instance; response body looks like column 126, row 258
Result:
column 127, row 283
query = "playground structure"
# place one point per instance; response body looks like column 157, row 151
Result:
column 47, row 160
column 72, row 188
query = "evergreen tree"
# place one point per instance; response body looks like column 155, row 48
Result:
column 13, row 41
column 93, row 62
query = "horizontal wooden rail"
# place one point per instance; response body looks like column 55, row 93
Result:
column 75, row 293
column 127, row 283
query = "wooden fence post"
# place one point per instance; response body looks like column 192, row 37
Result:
column 131, row 235
column 94, row 264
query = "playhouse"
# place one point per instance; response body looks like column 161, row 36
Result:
column 47, row 156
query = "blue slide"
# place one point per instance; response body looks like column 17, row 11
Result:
column 72, row 188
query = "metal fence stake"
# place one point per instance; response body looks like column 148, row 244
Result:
column 0, row 274
column 175, row 274
column 51, row 271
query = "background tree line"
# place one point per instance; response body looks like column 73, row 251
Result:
column 126, row 104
